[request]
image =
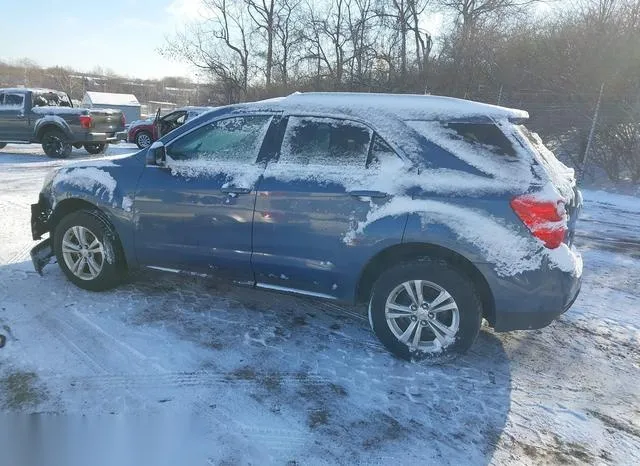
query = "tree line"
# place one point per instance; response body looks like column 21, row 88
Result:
column 550, row 59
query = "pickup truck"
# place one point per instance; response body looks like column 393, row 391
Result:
column 48, row 117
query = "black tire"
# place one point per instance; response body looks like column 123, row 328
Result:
column 3, row 145
column 96, row 148
column 460, row 288
column 142, row 137
column 55, row 144
column 113, row 267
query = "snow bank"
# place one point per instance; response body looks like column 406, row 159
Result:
column 619, row 201
column 91, row 179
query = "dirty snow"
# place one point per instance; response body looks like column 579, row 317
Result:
column 216, row 374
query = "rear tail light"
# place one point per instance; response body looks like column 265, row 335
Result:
column 86, row 121
column 546, row 220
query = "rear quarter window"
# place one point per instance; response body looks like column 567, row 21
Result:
column 487, row 135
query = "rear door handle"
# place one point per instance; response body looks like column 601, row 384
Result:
column 235, row 190
column 360, row 194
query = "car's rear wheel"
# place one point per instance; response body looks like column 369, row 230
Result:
column 425, row 310
column 96, row 148
column 88, row 251
column 55, row 144
column 144, row 139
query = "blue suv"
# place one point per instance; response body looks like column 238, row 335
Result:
column 434, row 212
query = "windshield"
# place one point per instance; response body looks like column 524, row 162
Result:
column 51, row 99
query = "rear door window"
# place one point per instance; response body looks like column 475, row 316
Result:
column 330, row 142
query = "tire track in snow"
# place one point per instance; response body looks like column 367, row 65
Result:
column 22, row 254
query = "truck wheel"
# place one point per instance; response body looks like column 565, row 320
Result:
column 96, row 148
column 88, row 251
column 55, row 144
column 3, row 145
column 144, row 139
column 425, row 310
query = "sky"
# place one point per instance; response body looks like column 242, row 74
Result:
column 121, row 35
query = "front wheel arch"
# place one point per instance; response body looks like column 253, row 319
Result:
column 68, row 206
column 408, row 252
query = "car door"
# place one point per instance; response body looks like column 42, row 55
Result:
column 172, row 121
column 196, row 213
column 310, row 199
column 14, row 124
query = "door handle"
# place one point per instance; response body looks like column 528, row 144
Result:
column 360, row 194
column 235, row 190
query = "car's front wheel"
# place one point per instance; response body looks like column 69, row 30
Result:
column 144, row 139
column 96, row 148
column 88, row 251
column 425, row 310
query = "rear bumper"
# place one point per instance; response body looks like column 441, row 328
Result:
column 101, row 137
column 533, row 300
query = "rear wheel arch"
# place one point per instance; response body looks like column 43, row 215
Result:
column 408, row 252
column 48, row 126
column 68, row 206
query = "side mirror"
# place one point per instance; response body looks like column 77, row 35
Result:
column 157, row 154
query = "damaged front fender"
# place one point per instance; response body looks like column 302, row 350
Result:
column 40, row 214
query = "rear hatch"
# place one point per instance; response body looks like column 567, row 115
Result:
column 107, row 120
column 561, row 177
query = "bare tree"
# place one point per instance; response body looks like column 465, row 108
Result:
column 288, row 35
column 218, row 45
column 263, row 14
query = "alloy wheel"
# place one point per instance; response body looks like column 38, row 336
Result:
column 422, row 315
column 83, row 253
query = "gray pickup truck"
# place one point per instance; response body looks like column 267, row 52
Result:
column 48, row 117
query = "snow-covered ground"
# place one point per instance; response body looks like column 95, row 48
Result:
column 179, row 370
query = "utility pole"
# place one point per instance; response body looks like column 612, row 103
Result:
column 591, row 131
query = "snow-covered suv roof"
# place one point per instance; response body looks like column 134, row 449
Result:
column 403, row 106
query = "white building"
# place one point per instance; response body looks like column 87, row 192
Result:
column 127, row 103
